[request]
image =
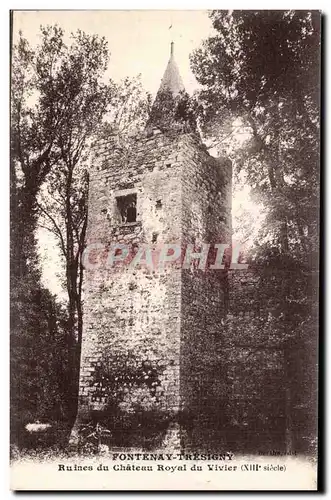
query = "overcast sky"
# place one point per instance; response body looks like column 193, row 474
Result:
column 139, row 41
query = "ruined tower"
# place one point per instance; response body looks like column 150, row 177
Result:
column 149, row 369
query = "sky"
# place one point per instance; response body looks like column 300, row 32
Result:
column 139, row 43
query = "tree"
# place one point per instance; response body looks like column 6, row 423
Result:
column 59, row 105
column 125, row 120
column 174, row 113
column 260, row 75
column 38, row 324
column 37, row 115
column 262, row 69
column 99, row 113
column 63, row 201
column 57, row 99
column 39, row 364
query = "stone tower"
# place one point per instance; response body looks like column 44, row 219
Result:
column 152, row 313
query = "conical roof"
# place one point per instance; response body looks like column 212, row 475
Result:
column 171, row 80
column 170, row 109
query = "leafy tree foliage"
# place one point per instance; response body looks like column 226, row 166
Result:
column 259, row 74
column 57, row 101
column 125, row 120
column 262, row 68
column 63, row 205
column 174, row 113
column 39, row 367
column 61, row 108
column 38, row 325
column 260, row 77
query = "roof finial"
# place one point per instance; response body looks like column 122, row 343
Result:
column 172, row 49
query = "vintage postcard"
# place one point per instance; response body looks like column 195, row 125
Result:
column 164, row 249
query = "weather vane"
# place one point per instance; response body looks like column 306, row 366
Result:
column 173, row 36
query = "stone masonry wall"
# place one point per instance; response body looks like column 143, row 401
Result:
column 206, row 219
column 133, row 313
column 159, row 323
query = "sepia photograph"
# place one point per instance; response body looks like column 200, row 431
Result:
column 164, row 249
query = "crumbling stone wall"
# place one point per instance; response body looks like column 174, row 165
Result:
column 206, row 220
column 133, row 313
column 153, row 317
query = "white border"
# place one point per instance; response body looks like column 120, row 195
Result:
column 4, row 198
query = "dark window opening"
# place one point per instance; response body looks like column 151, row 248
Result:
column 154, row 237
column 127, row 206
column 158, row 204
